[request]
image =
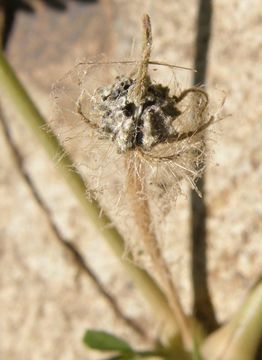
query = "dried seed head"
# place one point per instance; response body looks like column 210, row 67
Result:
column 160, row 127
column 129, row 125
column 135, row 112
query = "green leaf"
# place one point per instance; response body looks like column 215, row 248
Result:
column 102, row 340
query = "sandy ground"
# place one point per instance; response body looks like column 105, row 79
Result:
column 46, row 302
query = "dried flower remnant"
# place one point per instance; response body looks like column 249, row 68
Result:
column 160, row 125
column 161, row 128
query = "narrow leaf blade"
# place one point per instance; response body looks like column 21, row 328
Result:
column 102, row 340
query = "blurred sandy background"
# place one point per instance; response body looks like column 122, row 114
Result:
column 46, row 302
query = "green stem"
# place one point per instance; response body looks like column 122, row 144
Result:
column 238, row 339
column 14, row 90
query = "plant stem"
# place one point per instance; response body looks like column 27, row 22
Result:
column 22, row 103
column 239, row 338
column 141, row 212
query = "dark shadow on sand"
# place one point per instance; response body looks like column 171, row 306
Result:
column 9, row 9
column 203, row 307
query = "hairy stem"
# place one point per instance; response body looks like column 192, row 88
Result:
column 141, row 212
